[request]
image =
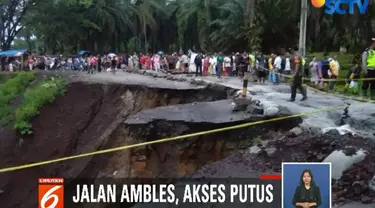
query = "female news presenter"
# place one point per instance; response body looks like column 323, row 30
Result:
column 307, row 194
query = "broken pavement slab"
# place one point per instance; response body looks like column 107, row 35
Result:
column 142, row 80
column 216, row 112
column 241, row 103
column 296, row 131
column 201, row 112
column 341, row 162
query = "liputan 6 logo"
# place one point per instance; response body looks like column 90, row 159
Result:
column 51, row 193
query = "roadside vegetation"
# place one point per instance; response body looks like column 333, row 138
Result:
column 35, row 98
column 346, row 61
column 6, row 76
column 9, row 90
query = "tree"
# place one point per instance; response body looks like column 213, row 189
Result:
column 12, row 13
column 206, row 25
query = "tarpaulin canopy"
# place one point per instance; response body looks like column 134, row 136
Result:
column 82, row 52
column 13, row 52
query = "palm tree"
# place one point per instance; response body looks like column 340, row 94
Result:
column 146, row 12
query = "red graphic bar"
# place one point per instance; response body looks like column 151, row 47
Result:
column 270, row 177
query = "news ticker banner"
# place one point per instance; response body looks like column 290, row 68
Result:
column 267, row 191
column 204, row 192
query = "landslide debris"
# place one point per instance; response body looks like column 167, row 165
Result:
column 85, row 119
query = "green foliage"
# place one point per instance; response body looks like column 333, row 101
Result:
column 345, row 59
column 132, row 45
column 211, row 25
column 6, row 76
column 35, row 98
column 10, row 90
column 258, row 140
column 254, row 36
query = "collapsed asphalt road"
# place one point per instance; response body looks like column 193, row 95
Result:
column 360, row 117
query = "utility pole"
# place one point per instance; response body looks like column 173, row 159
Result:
column 302, row 28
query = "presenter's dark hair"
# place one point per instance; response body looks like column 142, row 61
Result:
column 312, row 183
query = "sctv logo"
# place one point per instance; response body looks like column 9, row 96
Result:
column 337, row 6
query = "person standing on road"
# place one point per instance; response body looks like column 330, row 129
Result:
column 333, row 73
column 287, row 68
column 313, row 65
column 99, row 63
column 136, row 61
column 228, row 66
column 113, row 64
column 277, row 68
column 240, row 64
column 252, row 64
column 212, row 67
column 219, row 65
column 233, row 64
column 297, row 78
column 185, row 63
column 206, row 64
column 261, row 68
column 368, row 67
column 270, row 67
column 198, row 64
column 325, row 68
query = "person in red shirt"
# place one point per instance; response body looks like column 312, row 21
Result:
column 142, row 61
column 148, row 61
column 30, row 63
column 206, row 63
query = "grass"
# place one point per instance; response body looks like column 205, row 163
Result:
column 9, row 90
column 345, row 59
column 346, row 62
column 6, row 76
column 258, row 140
column 35, row 98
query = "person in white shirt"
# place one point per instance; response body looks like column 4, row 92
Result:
column 185, row 62
column 227, row 66
column 288, row 69
column 277, row 69
column 131, row 62
column 213, row 64
column 234, row 64
column 11, row 66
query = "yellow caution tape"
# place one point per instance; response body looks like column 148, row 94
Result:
column 335, row 95
column 341, row 96
column 30, row 165
column 342, row 80
column 326, row 80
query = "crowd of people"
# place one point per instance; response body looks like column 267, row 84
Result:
column 85, row 62
column 273, row 68
column 235, row 64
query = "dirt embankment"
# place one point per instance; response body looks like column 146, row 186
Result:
column 184, row 157
column 81, row 121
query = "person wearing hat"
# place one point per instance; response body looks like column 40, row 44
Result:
column 297, row 72
column 368, row 67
